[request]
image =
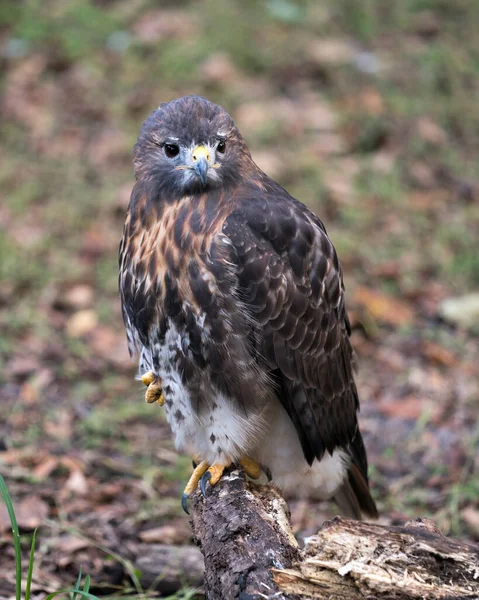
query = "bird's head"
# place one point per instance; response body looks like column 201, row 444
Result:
column 188, row 145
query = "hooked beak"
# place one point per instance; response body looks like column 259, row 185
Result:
column 200, row 157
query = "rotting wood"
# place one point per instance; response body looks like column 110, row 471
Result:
column 250, row 553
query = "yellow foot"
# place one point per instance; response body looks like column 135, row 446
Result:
column 154, row 391
column 202, row 474
column 192, row 484
column 215, row 472
column 251, row 467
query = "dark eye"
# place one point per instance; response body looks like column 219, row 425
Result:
column 171, row 150
column 221, row 147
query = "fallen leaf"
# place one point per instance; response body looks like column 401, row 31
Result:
column 82, row 323
column 439, row 354
column 69, row 544
column 430, row 131
column 160, row 24
column 331, row 52
column 218, row 68
column 31, row 511
column 463, row 311
column 77, row 297
column 471, row 517
column 77, row 483
column 20, row 366
column 410, row 408
column 46, row 467
column 60, row 427
column 165, row 534
column 371, row 101
column 422, row 175
column 382, row 307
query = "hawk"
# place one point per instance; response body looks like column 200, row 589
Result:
column 233, row 299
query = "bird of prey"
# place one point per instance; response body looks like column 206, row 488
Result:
column 233, row 299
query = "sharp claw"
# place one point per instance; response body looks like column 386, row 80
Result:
column 267, row 472
column 203, row 481
column 184, row 503
column 194, row 463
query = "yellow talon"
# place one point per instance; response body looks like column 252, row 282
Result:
column 251, row 467
column 203, row 474
column 195, row 477
column 216, row 471
column 154, row 391
column 148, row 378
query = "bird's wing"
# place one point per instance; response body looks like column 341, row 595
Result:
column 291, row 281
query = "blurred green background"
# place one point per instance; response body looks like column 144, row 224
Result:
column 367, row 111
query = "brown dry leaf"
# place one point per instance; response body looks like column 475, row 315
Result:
column 61, row 426
column 422, row 175
column 68, row 544
column 471, row 517
column 77, row 483
column 20, row 366
column 384, row 308
column 462, row 311
column 104, row 340
column 78, row 297
column 291, row 116
column 371, row 101
column 157, row 24
column 331, row 52
column 439, row 354
column 31, row 511
column 110, row 345
column 81, row 323
column 430, row 131
column 109, row 146
column 46, row 467
column 411, row 408
column 218, row 68
column 28, row 394
column 166, row 534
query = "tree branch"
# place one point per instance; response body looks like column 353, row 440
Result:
column 250, row 553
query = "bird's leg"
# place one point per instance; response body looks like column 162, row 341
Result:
column 251, row 467
column 192, row 484
column 154, row 391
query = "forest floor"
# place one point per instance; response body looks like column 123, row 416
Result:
column 366, row 112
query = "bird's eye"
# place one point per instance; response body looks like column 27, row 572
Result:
column 171, row 150
column 221, row 147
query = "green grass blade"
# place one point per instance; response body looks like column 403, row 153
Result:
column 77, row 585
column 86, row 587
column 30, row 565
column 16, row 537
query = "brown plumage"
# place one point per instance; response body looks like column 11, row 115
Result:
column 233, row 297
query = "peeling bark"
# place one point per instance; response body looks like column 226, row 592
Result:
column 250, row 553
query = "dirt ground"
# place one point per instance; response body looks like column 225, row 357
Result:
column 368, row 113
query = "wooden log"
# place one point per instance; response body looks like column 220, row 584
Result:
column 168, row 568
column 250, row 553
